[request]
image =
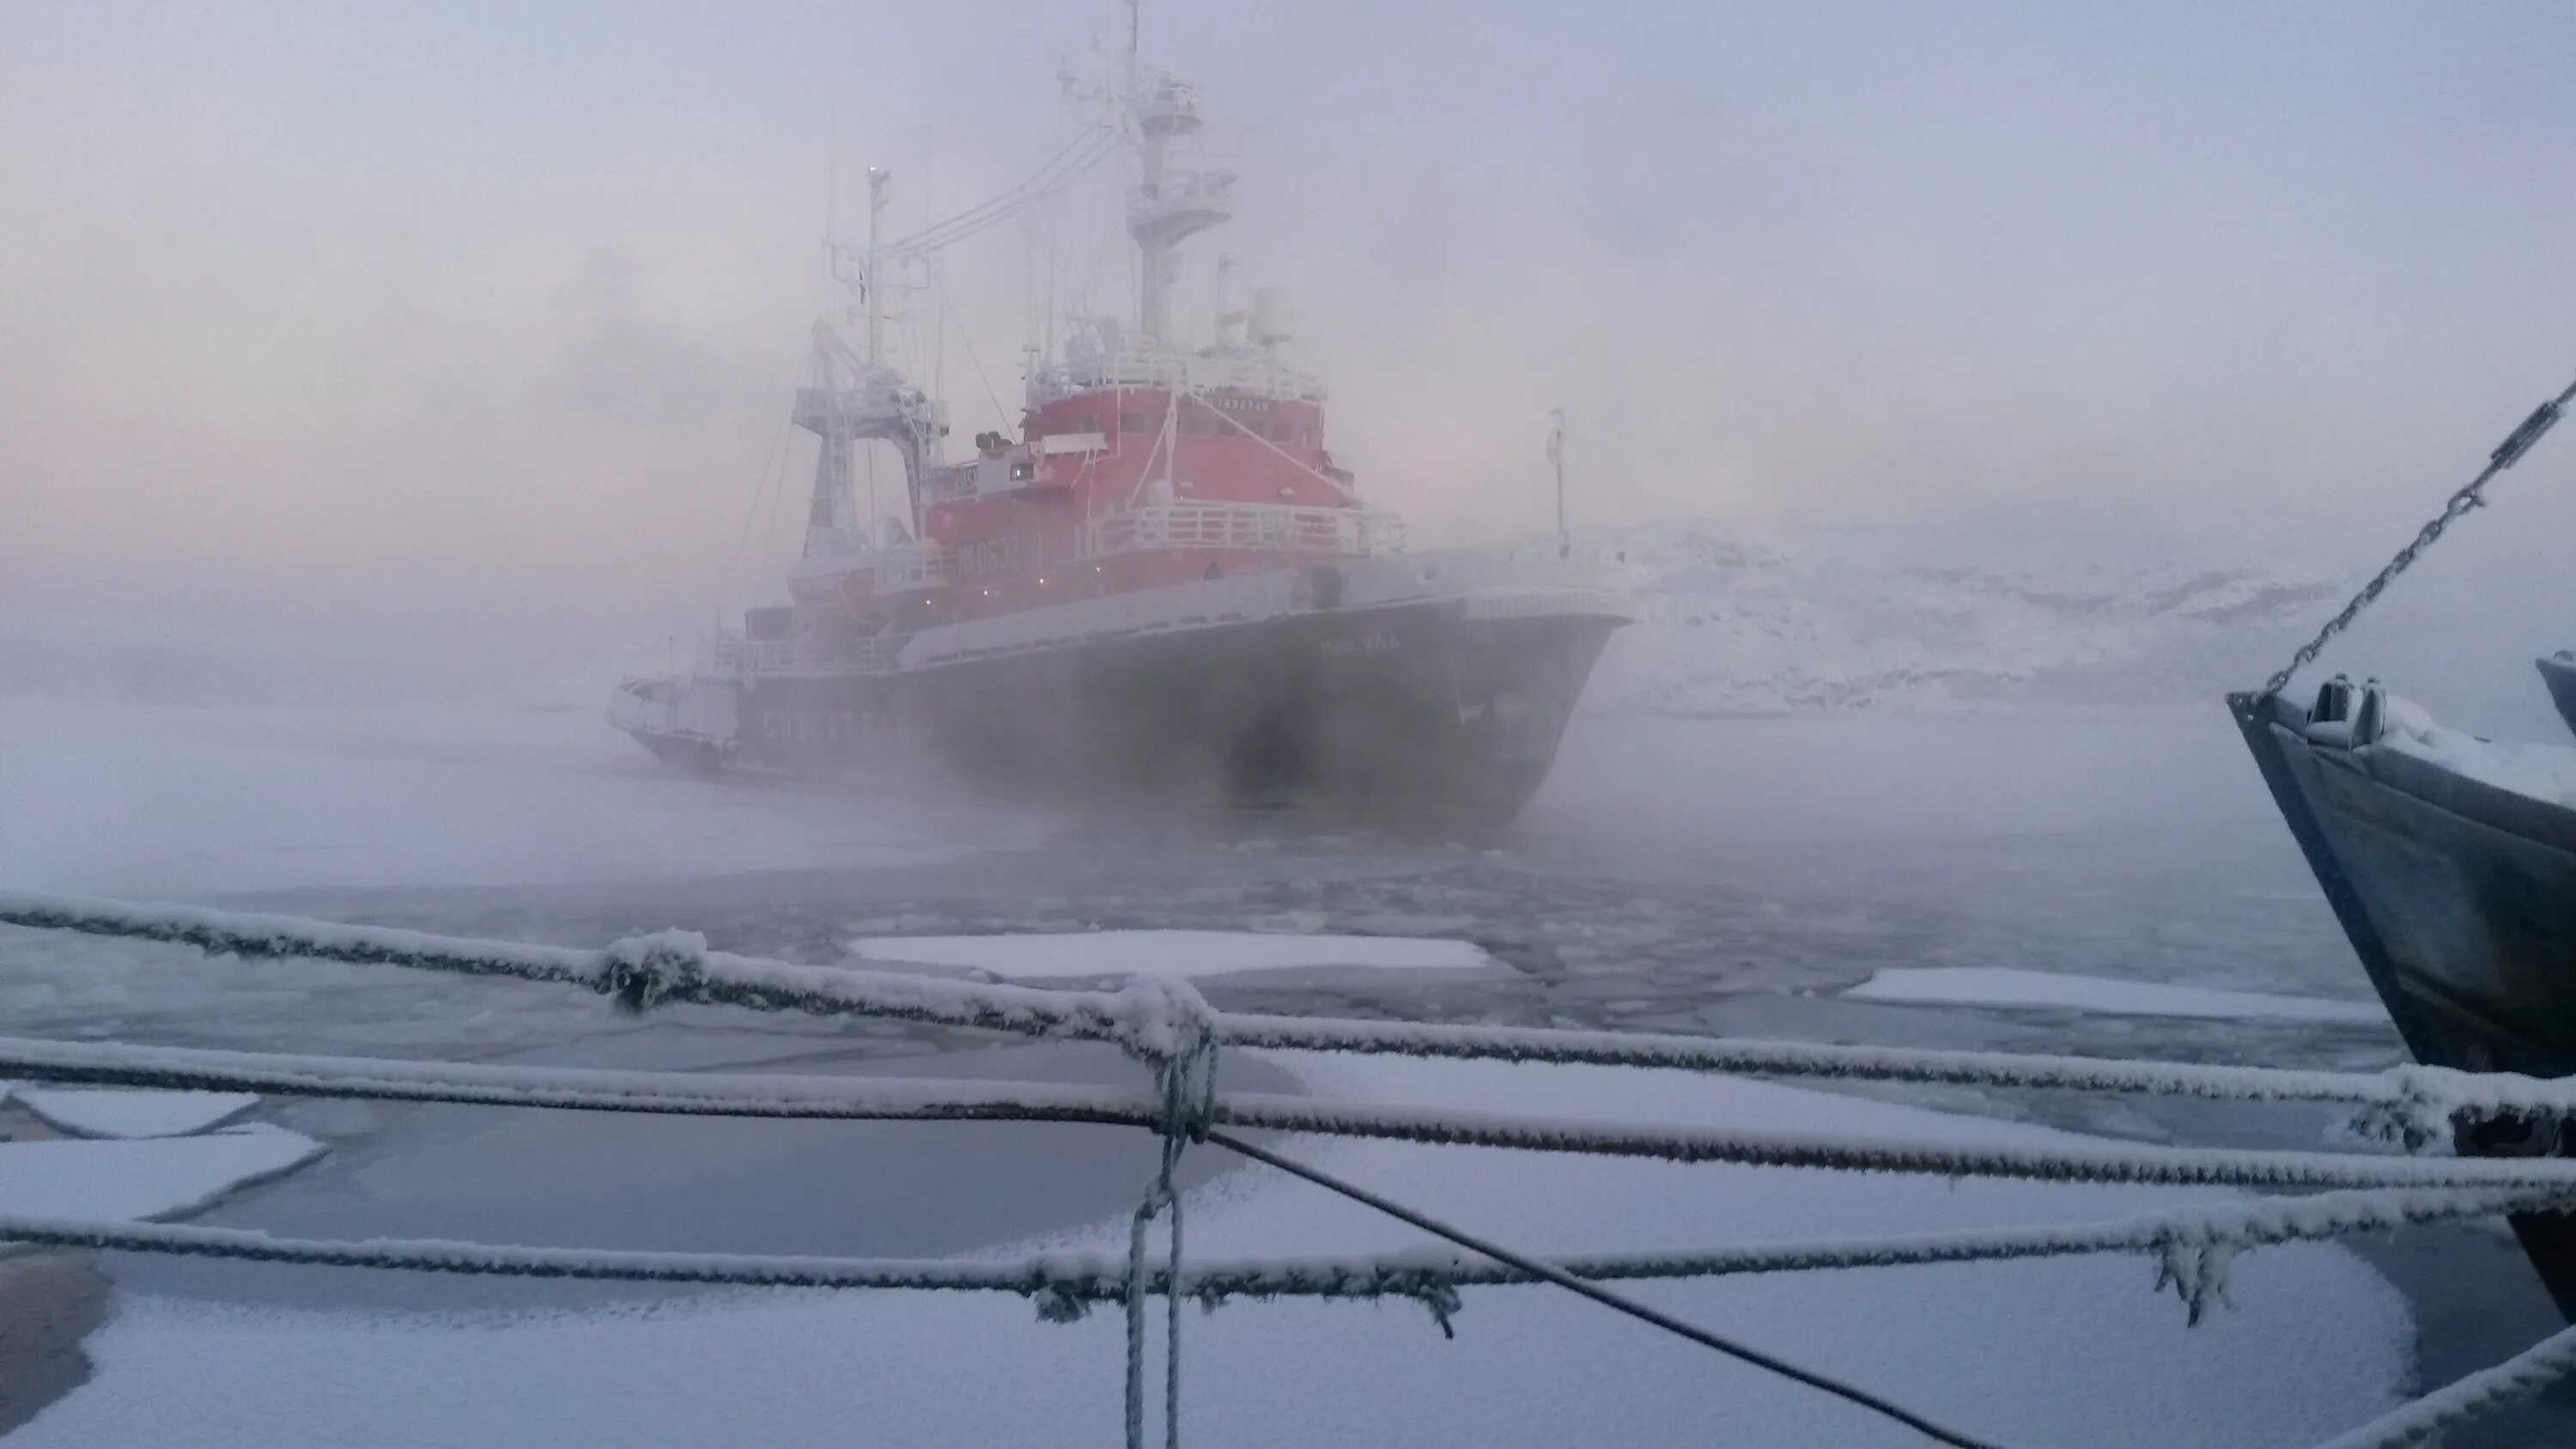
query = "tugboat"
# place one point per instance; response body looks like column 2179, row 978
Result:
column 1165, row 582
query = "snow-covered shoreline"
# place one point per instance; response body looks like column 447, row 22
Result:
column 1737, row 621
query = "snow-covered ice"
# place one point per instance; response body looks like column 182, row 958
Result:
column 2010, row 986
column 143, row 1178
column 111, row 1112
column 2054, row 1352
column 1087, row 954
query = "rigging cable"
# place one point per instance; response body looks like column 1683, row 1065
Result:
column 771, row 476
column 2471, row 495
column 1550, row 1273
column 967, row 339
column 1085, row 151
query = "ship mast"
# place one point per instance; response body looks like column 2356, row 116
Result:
column 877, row 178
column 855, row 395
column 1167, row 204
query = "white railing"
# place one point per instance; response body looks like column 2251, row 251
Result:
column 1139, row 366
column 733, row 654
column 1169, row 1027
column 1350, row 532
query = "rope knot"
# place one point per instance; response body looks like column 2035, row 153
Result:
column 1169, row 1024
column 645, row 971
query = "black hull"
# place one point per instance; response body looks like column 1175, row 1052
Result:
column 2558, row 671
column 2460, row 900
column 1399, row 713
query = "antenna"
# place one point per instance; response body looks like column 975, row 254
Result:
column 1556, row 460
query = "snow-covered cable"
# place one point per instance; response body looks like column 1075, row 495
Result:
column 2480, row 1393
column 2237, row 1225
column 1083, row 1277
column 2434, row 1086
column 675, row 966
column 1064, row 1283
column 642, row 972
column 775, row 1096
column 705, row 1094
column 1760, row 1147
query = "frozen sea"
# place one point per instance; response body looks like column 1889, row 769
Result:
column 1712, row 875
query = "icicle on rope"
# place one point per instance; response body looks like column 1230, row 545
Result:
column 2195, row 1266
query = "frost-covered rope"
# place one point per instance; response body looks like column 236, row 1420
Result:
column 821, row 1097
column 2481, row 1393
column 645, row 971
column 2414, row 1102
column 1185, row 1097
column 2417, row 1089
column 2174, row 1234
column 1855, row 1152
column 1645, row 1313
column 1083, row 1278
column 1064, row 1284
column 702, row 1094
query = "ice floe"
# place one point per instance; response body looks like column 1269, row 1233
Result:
column 157, row 1177
column 2010, row 987
column 1089, row 954
column 109, row 1112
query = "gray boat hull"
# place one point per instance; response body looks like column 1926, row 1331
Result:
column 2460, row 900
column 2558, row 671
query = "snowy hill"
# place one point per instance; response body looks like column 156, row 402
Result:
column 1738, row 621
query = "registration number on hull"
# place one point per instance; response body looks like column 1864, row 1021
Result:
column 1362, row 644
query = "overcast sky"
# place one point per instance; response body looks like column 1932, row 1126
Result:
column 481, row 317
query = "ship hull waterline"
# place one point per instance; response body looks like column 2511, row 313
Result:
column 2460, row 901
column 1413, row 712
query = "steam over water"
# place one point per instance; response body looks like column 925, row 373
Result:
column 1955, row 402
column 1731, row 876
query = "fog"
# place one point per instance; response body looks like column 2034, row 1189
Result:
column 464, row 336
column 395, row 425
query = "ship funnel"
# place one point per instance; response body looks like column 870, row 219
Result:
column 1270, row 320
